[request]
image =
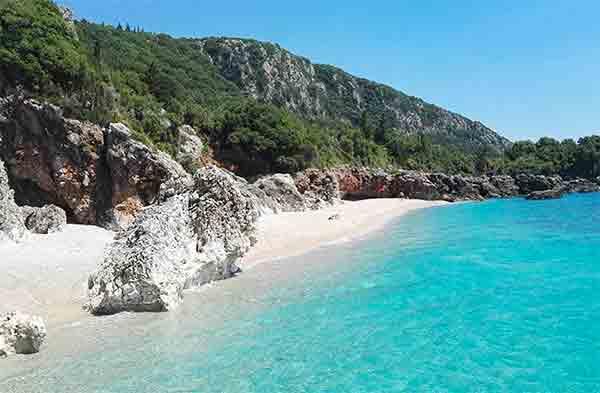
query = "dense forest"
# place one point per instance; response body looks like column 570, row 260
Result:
column 154, row 83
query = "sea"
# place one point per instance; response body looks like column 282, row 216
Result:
column 497, row 296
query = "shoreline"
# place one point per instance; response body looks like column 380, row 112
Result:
column 293, row 234
column 46, row 275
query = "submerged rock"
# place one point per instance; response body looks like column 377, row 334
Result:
column 44, row 220
column 12, row 226
column 21, row 334
column 189, row 240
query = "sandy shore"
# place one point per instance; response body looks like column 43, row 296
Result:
column 46, row 275
column 292, row 234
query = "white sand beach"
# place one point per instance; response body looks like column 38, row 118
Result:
column 46, row 275
column 290, row 234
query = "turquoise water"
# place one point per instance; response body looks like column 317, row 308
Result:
column 501, row 296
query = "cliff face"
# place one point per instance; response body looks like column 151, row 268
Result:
column 98, row 176
column 271, row 74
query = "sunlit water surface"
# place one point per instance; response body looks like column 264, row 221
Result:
column 501, row 296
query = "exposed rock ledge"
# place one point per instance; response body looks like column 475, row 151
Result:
column 21, row 334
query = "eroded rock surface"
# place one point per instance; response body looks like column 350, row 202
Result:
column 190, row 147
column 189, row 240
column 44, row 220
column 137, row 174
column 320, row 188
column 21, row 334
column 282, row 189
column 98, row 176
column 12, row 227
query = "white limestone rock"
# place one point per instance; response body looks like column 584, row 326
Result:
column 21, row 334
column 12, row 227
column 44, row 220
column 189, row 240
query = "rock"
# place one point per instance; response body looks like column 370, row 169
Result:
column 143, row 269
column 319, row 188
column 137, row 174
column 282, row 189
column 335, row 217
column 12, row 226
column 416, row 185
column 505, row 185
column 21, row 334
column 189, row 240
column 582, row 186
column 53, row 160
column 529, row 183
column 97, row 176
column 190, row 148
column 44, row 220
column 555, row 193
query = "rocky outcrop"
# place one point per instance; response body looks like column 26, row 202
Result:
column 283, row 191
column 582, row 186
column 555, row 193
column 53, row 160
column 271, row 74
column 365, row 183
column 529, row 183
column 12, row 227
column 21, row 334
column 319, row 188
column 44, row 220
column 190, row 148
column 137, row 173
column 98, row 176
column 189, row 240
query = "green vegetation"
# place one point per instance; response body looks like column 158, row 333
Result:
column 154, row 83
column 549, row 157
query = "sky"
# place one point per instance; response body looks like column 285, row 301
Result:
column 525, row 68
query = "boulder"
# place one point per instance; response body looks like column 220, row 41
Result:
column 21, row 334
column 555, row 193
column 282, row 189
column 44, row 220
column 12, row 226
column 189, row 240
column 190, row 148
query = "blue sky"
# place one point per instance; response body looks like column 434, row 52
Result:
column 525, row 68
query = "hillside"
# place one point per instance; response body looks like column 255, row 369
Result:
column 272, row 74
column 258, row 108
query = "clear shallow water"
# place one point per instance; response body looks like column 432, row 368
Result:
column 501, row 296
